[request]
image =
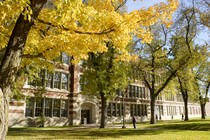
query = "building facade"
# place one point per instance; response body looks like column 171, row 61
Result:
column 61, row 104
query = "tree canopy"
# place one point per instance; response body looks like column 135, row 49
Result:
column 78, row 27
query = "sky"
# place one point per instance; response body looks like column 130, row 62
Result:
column 135, row 5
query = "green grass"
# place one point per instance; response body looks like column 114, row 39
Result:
column 164, row 130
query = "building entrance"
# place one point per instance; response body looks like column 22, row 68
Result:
column 85, row 117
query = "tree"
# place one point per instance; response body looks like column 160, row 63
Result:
column 103, row 76
column 43, row 28
column 202, row 80
column 188, row 25
column 156, row 61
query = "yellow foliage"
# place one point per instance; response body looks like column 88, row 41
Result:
column 78, row 28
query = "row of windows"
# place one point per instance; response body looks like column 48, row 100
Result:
column 137, row 91
column 138, row 110
column 57, row 80
column 36, row 107
column 160, row 109
column 138, row 76
column 116, row 110
column 172, row 110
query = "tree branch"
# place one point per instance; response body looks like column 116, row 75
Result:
column 105, row 31
column 122, row 4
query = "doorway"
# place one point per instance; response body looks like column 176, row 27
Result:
column 85, row 116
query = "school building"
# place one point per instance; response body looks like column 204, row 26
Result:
column 62, row 104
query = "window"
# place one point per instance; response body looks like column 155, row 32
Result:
column 49, row 80
column 56, row 108
column 119, row 110
column 138, row 92
column 37, row 80
column 48, row 104
column 57, row 79
column 29, row 107
column 64, row 105
column 65, row 58
column 38, row 108
column 64, row 81
column 114, row 109
column 35, row 107
column 139, row 110
column 131, row 110
column 109, row 110
column 143, row 92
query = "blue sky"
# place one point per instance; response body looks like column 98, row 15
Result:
column 135, row 5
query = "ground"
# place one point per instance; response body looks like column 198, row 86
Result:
column 164, row 130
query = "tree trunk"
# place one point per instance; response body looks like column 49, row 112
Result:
column 12, row 59
column 4, row 103
column 203, row 111
column 152, row 109
column 103, row 110
column 186, row 107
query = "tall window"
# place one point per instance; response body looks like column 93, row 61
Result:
column 119, row 110
column 114, row 109
column 139, row 110
column 38, row 109
column 48, row 105
column 109, row 110
column 29, row 106
column 65, row 58
column 131, row 110
column 56, row 108
column 64, row 105
column 64, row 81
column 37, row 80
column 49, row 80
column 57, row 79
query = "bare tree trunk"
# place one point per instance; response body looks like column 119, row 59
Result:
column 152, row 108
column 4, row 102
column 186, row 109
column 12, row 59
column 203, row 111
column 103, row 110
column 185, row 98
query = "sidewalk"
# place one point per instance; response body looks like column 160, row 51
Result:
column 107, row 126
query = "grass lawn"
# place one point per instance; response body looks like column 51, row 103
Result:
column 165, row 130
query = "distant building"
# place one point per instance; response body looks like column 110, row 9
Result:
column 62, row 104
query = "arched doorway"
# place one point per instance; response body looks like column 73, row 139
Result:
column 88, row 113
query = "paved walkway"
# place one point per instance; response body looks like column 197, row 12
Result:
column 115, row 126
column 107, row 126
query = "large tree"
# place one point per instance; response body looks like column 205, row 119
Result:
column 157, row 60
column 202, row 80
column 188, row 25
column 43, row 28
column 102, row 76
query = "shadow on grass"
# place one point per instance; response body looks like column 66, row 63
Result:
column 96, row 133
column 198, row 125
column 80, row 133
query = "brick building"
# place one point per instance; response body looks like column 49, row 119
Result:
column 62, row 104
